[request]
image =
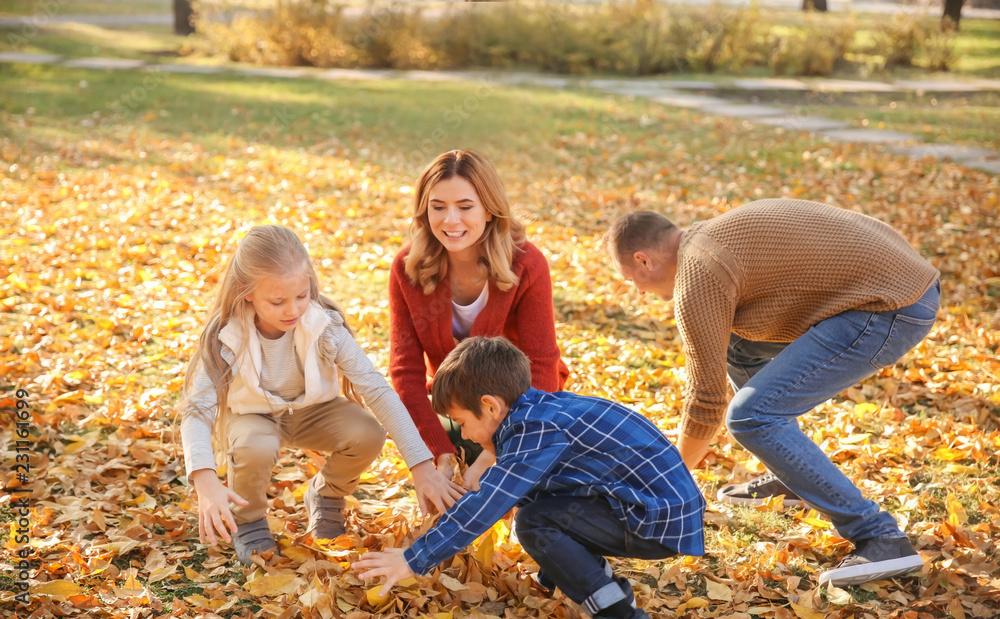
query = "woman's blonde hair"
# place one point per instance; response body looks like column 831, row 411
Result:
column 427, row 262
column 266, row 251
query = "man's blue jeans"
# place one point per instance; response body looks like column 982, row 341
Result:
column 570, row 536
column 777, row 382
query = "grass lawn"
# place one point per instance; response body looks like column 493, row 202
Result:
column 43, row 8
column 124, row 192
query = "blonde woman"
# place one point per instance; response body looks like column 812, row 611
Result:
column 269, row 370
column 468, row 271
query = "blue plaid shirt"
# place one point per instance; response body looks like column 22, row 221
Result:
column 572, row 445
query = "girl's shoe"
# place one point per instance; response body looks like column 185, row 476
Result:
column 253, row 537
column 326, row 516
column 757, row 492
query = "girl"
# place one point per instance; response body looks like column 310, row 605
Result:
column 468, row 271
column 266, row 372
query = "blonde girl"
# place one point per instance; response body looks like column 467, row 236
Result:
column 468, row 271
column 269, row 370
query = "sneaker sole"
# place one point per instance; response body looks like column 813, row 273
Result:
column 860, row 574
column 722, row 497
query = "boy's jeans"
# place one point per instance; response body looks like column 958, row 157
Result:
column 569, row 537
column 777, row 382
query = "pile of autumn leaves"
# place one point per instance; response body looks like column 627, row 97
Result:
column 105, row 280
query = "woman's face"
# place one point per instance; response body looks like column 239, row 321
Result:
column 456, row 216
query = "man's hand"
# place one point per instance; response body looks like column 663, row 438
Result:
column 389, row 563
column 435, row 488
column 214, row 515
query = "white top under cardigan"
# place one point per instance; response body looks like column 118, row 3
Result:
column 462, row 316
column 322, row 345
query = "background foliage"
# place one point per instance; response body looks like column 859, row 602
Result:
column 118, row 212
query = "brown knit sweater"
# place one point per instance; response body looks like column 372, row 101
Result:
column 768, row 271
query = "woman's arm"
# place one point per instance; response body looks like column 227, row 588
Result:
column 535, row 320
column 407, row 367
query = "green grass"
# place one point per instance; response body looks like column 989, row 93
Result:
column 74, row 40
column 944, row 118
column 42, row 9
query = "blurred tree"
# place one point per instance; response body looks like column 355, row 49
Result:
column 952, row 13
column 183, row 14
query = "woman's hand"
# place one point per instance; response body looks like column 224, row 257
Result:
column 432, row 486
column 389, row 563
column 470, row 479
column 214, row 515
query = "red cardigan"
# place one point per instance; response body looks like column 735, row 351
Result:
column 420, row 334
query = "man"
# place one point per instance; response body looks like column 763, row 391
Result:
column 795, row 301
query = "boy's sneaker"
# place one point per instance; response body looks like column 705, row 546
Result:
column 757, row 491
column 875, row 559
column 326, row 516
column 252, row 537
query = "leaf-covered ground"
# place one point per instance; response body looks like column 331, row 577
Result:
column 122, row 194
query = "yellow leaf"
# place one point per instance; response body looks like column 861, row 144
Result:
column 297, row 554
column 855, row 438
column 273, row 584
column 816, row 522
column 374, row 598
column 955, row 608
column 865, row 409
column 804, row 612
column 191, row 574
column 408, row 582
column 837, row 596
column 447, row 615
column 57, row 587
column 450, row 583
column 484, row 552
column 692, row 603
column 956, row 511
column 718, row 591
column 949, row 454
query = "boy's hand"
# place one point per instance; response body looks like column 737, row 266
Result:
column 214, row 515
column 432, row 486
column 470, row 479
column 389, row 563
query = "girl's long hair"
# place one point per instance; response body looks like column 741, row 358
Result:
column 427, row 263
column 266, row 251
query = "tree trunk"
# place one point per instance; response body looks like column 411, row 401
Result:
column 183, row 15
column 952, row 13
column 817, row 5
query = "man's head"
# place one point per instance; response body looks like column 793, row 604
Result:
column 643, row 247
column 476, row 384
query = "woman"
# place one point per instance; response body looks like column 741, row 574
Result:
column 468, row 271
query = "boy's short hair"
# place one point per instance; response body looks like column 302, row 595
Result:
column 480, row 366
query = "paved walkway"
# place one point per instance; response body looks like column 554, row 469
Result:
column 722, row 98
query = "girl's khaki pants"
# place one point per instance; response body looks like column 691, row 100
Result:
column 346, row 431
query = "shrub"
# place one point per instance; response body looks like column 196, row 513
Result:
column 633, row 37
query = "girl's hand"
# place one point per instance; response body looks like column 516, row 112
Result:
column 470, row 479
column 214, row 515
column 432, row 486
column 389, row 563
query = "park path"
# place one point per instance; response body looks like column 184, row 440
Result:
column 730, row 97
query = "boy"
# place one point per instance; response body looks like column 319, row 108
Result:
column 591, row 477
